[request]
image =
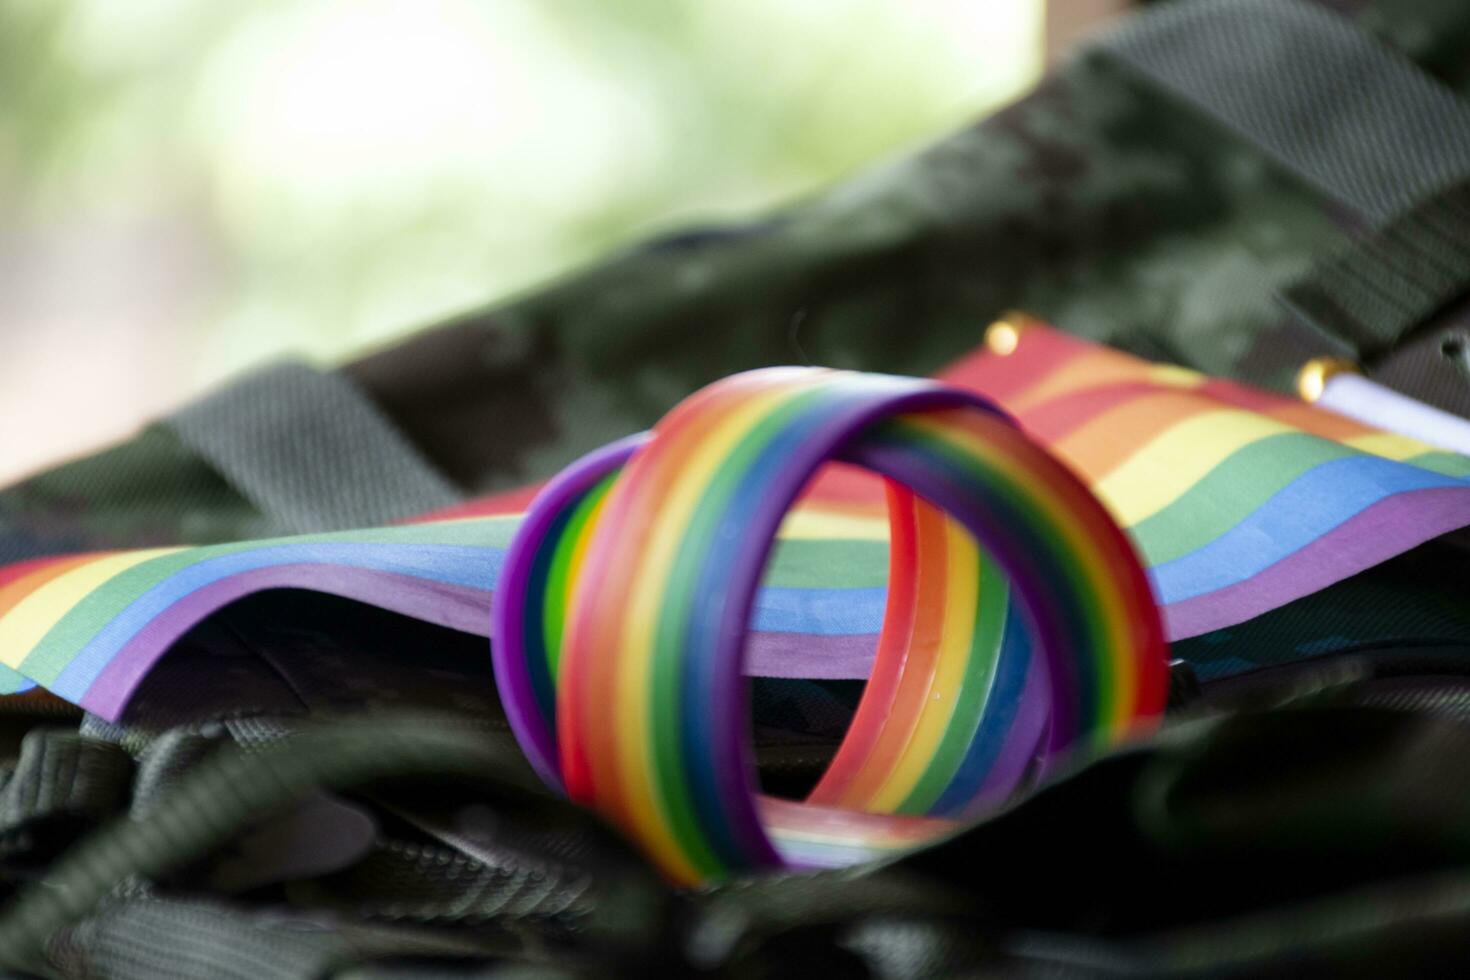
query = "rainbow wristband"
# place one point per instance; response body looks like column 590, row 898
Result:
column 620, row 620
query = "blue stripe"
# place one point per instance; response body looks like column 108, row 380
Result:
column 447, row 564
column 1303, row 511
column 999, row 715
column 819, row 612
column 815, row 612
column 735, row 499
column 13, row 682
column 1299, row 514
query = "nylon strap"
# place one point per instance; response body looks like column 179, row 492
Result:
column 237, row 789
column 1384, row 285
column 310, row 451
column 1342, row 111
column 61, row 773
column 163, row 939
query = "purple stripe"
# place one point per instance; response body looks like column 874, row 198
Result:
column 1375, row 535
column 457, row 607
column 812, row 657
column 1388, row 528
column 1023, row 745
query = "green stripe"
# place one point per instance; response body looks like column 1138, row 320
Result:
column 482, row 532
column 984, row 653
column 94, row 611
column 12, row 682
column 1082, row 617
column 97, row 608
column 809, row 563
column 1235, row 488
column 485, row 532
column 1243, row 482
column 554, row 606
column 1440, row 461
column 672, row 788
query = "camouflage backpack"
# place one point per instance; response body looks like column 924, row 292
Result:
column 1233, row 185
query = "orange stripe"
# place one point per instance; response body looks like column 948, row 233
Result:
column 14, row 592
column 1131, row 620
column 585, row 663
column 1054, row 420
column 633, row 506
column 898, row 617
column 1327, row 425
column 920, row 662
column 1110, row 439
column 1040, row 352
column 1098, row 367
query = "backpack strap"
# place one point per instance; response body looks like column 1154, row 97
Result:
column 310, row 451
column 1381, row 139
column 1375, row 292
column 61, row 774
column 1340, row 110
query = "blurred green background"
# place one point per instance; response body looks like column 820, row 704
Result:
column 188, row 187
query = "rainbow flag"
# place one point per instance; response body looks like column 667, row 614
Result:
column 1239, row 501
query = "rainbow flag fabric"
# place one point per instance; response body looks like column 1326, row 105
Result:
column 1238, row 500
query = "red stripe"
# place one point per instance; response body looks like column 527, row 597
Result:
column 920, row 661
column 893, row 644
column 1040, row 352
column 588, row 716
column 1054, row 420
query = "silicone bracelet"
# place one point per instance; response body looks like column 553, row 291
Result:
column 1020, row 630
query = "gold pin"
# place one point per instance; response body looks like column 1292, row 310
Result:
column 1004, row 335
column 1312, row 379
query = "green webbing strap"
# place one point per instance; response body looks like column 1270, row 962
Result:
column 1351, row 117
column 172, row 940
column 1343, row 112
column 61, row 773
column 237, row 788
column 1372, row 294
column 412, row 882
column 310, row 451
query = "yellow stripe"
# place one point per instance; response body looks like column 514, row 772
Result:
column 1178, row 458
column 579, row 547
column 514, row 518
column 1390, row 445
column 574, row 572
column 1175, row 376
column 810, row 522
column 32, row 618
column 649, row 811
column 956, row 634
column 1094, row 569
column 1094, row 369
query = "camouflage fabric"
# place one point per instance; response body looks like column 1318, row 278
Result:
column 1303, row 816
column 1098, row 202
column 434, row 854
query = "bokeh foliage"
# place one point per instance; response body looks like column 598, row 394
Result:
column 346, row 169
